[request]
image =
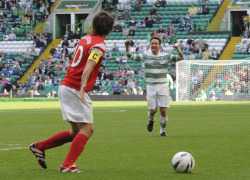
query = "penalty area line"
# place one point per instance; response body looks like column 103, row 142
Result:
column 8, row 149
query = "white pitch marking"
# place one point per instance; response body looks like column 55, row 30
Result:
column 58, row 112
column 7, row 149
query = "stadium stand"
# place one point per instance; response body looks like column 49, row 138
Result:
column 194, row 28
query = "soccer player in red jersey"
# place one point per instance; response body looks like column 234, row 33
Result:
column 76, row 105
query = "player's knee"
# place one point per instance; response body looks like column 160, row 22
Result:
column 91, row 130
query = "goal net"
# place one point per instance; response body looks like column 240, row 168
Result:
column 207, row 80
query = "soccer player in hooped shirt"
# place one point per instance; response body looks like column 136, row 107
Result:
column 76, row 106
column 156, row 68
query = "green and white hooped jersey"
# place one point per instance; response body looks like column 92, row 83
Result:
column 156, row 66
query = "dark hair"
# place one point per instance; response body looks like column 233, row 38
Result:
column 155, row 38
column 102, row 24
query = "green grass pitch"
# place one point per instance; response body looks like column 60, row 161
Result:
column 217, row 134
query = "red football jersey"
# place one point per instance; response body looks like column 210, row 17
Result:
column 85, row 46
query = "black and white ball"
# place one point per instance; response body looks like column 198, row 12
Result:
column 183, row 162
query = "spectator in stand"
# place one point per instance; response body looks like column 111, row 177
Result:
column 130, row 83
column 16, row 70
column 71, row 43
column 117, row 14
column 213, row 54
column 191, row 56
column 58, row 66
column 118, row 59
column 118, row 73
column 141, row 49
column 48, row 81
column 107, row 55
column 132, row 23
column 205, row 10
column 125, row 31
column 176, row 19
column 118, row 27
column 196, row 51
column 238, row 46
column 53, row 50
column 138, row 24
column 244, row 46
column 105, row 92
column 65, row 42
column 120, row 7
column 189, row 41
column 51, row 72
column 149, row 23
column 40, row 44
column 132, row 31
column 40, row 87
column 126, row 15
column 206, row 54
column 127, row 6
column 109, row 76
column 123, row 82
column 64, row 48
column 6, row 37
column 20, row 91
column 132, row 90
column 187, row 18
column 66, row 35
column 130, row 72
column 115, row 47
column 56, row 56
column 186, row 47
column 182, row 26
column 115, row 86
column 160, row 31
column 163, row 3
column 124, row 59
column 77, row 36
column 137, row 6
column 116, row 92
column 192, row 26
column 158, row 19
column 102, row 75
column 193, row 10
column 152, row 10
column 157, row 3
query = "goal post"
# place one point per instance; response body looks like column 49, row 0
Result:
column 208, row 80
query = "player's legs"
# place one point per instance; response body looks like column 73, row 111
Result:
column 163, row 103
column 83, row 132
column 163, row 120
column 80, row 116
column 152, row 106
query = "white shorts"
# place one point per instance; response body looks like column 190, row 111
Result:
column 73, row 109
column 157, row 95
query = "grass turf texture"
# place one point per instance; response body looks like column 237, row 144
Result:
column 215, row 133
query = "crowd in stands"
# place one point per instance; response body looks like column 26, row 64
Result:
column 14, row 14
column 122, row 13
column 242, row 47
column 233, row 80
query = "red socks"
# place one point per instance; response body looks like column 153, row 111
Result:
column 54, row 141
column 75, row 150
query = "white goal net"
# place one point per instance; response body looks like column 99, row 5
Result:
column 207, row 80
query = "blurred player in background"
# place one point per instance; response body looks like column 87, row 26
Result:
column 156, row 68
column 76, row 106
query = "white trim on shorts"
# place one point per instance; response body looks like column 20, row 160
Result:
column 73, row 109
column 157, row 95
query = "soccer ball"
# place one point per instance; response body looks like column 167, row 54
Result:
column 183, row 162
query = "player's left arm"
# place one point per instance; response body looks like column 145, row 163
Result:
column 93, row 59
column 178, row 57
